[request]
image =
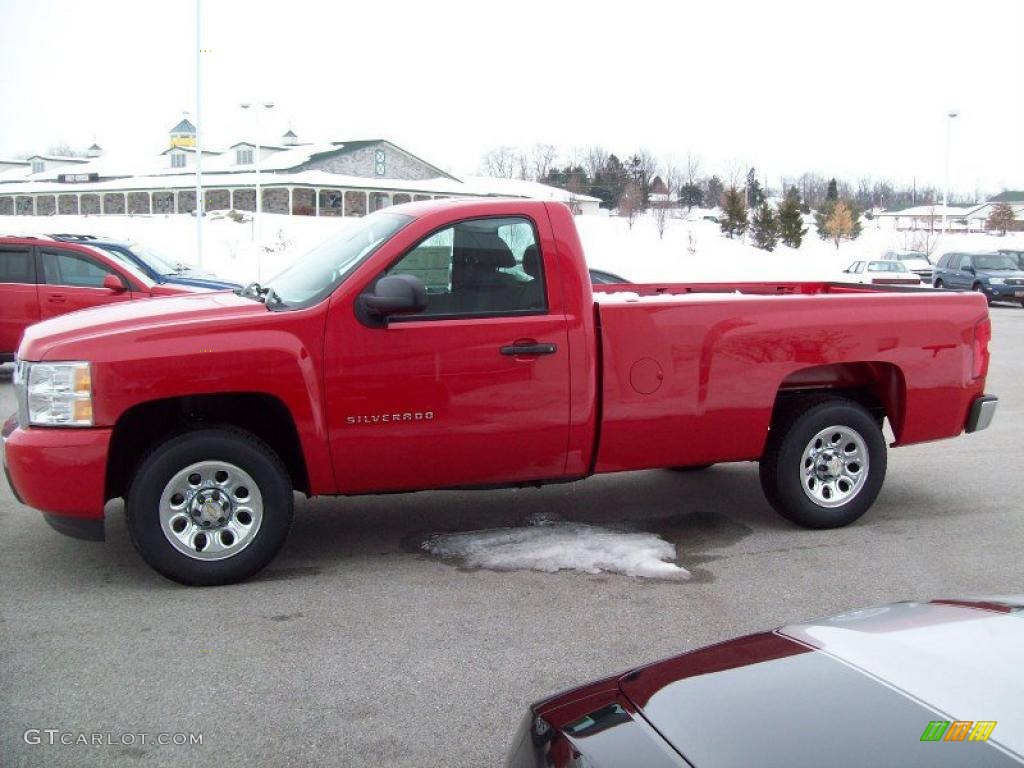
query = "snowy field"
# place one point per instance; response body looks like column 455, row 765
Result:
column 691, row 250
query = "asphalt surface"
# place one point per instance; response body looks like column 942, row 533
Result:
column 354, row 649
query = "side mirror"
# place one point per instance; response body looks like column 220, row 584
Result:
column 114, row 284
column 970, row 268
column 395, row 295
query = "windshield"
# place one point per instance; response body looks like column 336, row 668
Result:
column 158, row 261
column 912, row 257
column 995, row 261
column 886, row 266
column 315, row 275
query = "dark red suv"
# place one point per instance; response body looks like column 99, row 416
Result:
column 41, row 278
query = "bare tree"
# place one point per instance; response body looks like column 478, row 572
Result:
column 595, row 160
column 691, row 169
column 735, row 173
column 523, row 164
column 574, row 188
column 500, row 163
column 661, row 217
column 543, row 157
column 631, row 202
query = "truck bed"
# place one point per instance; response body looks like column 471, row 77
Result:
column 696, row 368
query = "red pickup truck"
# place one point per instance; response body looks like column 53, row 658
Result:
column 460, row 345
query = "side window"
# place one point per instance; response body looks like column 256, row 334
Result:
column 479, row 267
column 965, row 262
column 64, row 268
column 16, row 266
column 943, row 261
column 859, row 267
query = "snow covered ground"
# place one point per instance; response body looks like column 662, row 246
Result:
column 551, row 545
column 692, row 249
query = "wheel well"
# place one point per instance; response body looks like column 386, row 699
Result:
column 879, row 387
column 143, row 426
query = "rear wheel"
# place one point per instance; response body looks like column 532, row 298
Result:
column 824, row 463
column 210, row 507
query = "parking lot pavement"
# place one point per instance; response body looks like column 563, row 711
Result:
column 355, row 649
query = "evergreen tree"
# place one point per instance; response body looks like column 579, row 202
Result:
column 833, row 191
column 690, row 195
column 791, row 222
column 713, row 192
column 734, row 213
column 765, row 227
column 755, row 195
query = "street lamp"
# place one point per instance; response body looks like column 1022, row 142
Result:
column 255, row 107
column 945, row 186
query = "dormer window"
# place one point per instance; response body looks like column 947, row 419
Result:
column 243, row 156
column 177, row 160
column 38, row 166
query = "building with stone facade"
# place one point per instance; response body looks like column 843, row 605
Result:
column 338, row 178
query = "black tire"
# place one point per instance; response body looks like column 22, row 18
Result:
column 223, row 444
column 939, row 284
column 978, row 289
column 694, row 468
column 781, row 466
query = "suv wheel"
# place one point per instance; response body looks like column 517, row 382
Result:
column 939, row 284
column 210, row 507
column 824, row 463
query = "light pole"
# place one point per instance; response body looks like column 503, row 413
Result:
column 945, row 185
column 255, row 107
column 199, row 140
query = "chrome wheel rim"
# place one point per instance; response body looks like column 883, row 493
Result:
column 834, row 466
column 211, row 510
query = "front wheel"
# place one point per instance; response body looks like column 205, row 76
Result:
column 939, row 284
column 210, row 507
column 824, row 463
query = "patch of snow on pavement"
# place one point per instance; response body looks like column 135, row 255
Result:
column 553, row 545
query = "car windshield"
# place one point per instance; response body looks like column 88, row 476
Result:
column 994, row 261
column 912, row 257
column 315, row 275
column 158, row 261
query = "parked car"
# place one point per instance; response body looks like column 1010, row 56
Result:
column 345, row 375
column 40, row 279
column 909, row 684
column 157, row 267
column 600, row 277
column 997, row 275
column 916, row 261
column 881, row 272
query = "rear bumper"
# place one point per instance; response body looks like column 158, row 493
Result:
column 60, row 472
column 983, row 410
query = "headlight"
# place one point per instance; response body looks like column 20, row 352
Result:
column 58, row 394
column 996, row 280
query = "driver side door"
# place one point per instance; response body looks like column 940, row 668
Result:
column 472, row 391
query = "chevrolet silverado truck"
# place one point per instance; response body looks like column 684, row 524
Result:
column 460, row 344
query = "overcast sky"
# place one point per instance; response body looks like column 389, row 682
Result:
column 849, row 89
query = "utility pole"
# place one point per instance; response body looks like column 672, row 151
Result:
column 945, row 185
column 199, row 140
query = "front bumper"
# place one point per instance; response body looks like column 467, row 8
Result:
column 983, row 410
column 60, row 472
column 1004, row 292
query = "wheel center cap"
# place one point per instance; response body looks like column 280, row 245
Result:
column 835, row 466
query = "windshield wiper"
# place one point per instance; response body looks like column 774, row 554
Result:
column 262, row 294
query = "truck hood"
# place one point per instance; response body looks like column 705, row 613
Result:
column 177, row 311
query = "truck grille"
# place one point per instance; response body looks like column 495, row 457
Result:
column 1015, row 281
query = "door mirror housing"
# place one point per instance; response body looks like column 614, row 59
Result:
column 969, row 268
column 394, row 295
column 114, row 284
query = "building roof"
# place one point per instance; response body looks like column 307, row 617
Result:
column 184, row 126
column 60, row 158
column 95, row 146
column 936, row 209
column 289, row 134
column 1008, row 196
